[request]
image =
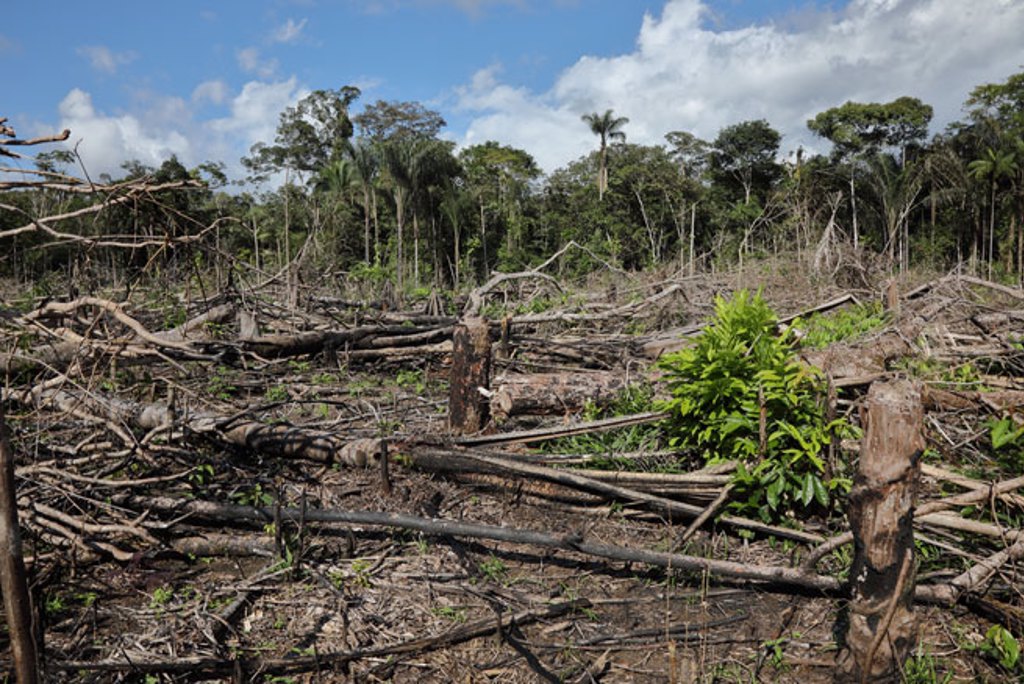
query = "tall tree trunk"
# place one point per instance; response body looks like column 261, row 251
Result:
column 853, row 210
column 400, row 220
column 366, row 224
column 415, row 249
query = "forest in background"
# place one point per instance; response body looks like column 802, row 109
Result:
column 379, row 198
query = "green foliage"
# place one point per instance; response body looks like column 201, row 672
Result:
column 161, row 596
column 635, row 398
column 922, row 668
column 276, row 393
column 845, row 324
column 219, row 385
column 494, row 569
column 254, row 496
column 739, row 394
column 1001, row 646
column 1003, row 432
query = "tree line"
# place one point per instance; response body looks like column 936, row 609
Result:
column 381, row 197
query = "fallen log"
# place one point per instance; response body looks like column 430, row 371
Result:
column 553, row 393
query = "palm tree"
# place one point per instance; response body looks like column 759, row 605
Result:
column 607, row 127
column 367, row 164
column 993, row 165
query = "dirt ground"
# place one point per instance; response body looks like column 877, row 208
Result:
column 287, row 601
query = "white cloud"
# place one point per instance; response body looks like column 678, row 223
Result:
column 251, row 62
column 289, row 31
column 210, row 91
column 683, row 75
column 104, row 142
column 167, row 126
column 105, row 60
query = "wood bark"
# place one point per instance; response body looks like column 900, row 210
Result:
column 13, row 582
column 882, row 628
column 553, row 393
column 471, row 376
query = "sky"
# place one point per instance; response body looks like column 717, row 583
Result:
column 207, row 79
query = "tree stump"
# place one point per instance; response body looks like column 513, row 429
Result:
column 471, row 372
column 882, row 628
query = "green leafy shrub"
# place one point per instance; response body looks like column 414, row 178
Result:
column 848, row 323
column 739, row 394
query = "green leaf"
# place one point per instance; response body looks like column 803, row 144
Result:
column 820, row 493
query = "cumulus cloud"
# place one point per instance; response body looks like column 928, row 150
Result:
column 685, row 75
column 167, row 126
column 289, row 31
column 105, row 60
column 105, row 142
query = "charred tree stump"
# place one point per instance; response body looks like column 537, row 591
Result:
column 13, row 582
column 471, row 372
column 882, row 628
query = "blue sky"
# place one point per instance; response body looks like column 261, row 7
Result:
column 205, row 79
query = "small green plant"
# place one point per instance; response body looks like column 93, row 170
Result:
column 201, row 475
column 54, row 604
column 1003, row 432
column 299, row 366
column 740, row 394
column 219, row 385
column 922, row 668
column 494, row 569
column 254, row 496
column 452, row 613
column 161, row 596
column 849, row 323
column 411, row 379
column 87, row 598
column 1001, row 646
column 361, row 571
column 276, row 393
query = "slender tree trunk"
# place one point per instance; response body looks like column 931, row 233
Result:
column 13, row 580
column 415, row 249
column 693, row 232
column 400, row 220
column 376, row 225
column 853, row 211
column 991, row 229
column 366, row 224
column 483, row 236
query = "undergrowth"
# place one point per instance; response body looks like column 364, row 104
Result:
column 849, row 323
column 634, row 398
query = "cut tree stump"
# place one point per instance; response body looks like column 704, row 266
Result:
column 553, row 393
column 471, row 373
column 882, row 628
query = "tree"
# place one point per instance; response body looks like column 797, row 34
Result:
column 744, row 153
column 366, row 162
column 690, row 152
column 993, row 166
column 859, row 130
column 412, row 165
column 498, row 177
column 309, row 135
column 393, row 120
column 607, row 127
column 857, row 127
